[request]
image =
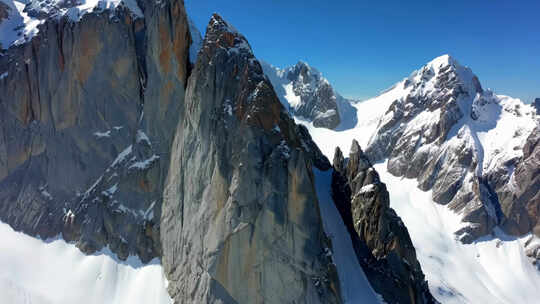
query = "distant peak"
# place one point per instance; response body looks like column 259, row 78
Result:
column 302, row 67
column 446, row 58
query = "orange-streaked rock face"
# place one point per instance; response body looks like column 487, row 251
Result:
column 87, row 116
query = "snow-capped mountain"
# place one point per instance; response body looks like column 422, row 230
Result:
column 463, row 145
column 458, row 140
column 304, row 91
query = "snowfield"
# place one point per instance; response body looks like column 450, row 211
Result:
column 369, row 113
column 55, row 272
column 491, row 270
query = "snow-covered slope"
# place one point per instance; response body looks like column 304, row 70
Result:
column 306, row 94
column 461, row 143
column 369, row 113
column 494, row 269
column 53, row 271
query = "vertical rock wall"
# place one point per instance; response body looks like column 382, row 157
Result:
column 240, row 220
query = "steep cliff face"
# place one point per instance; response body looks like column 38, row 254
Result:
column 381, row 240
column 87, row 116
column 240, row 220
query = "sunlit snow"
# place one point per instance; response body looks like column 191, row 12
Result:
column 491, row 270
column 56, row 272
column 369, row 113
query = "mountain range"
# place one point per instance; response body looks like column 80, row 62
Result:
column 141, row 162
column 474, row 154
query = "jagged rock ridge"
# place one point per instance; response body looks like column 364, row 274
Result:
column 382, row 242
column 520, row 198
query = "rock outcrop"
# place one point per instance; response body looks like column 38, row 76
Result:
column 240, row 220
column 520, row 198
column 87, row 116
column 307, row 94
column 381, row 240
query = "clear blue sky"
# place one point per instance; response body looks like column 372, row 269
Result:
column 363, row 47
